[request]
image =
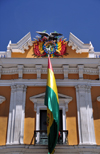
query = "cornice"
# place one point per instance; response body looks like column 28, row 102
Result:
column 21, row 45
column 59, row 148
column 42, row 82
column 78, row 45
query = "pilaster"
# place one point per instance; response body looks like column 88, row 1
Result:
column 16, row 115
column 65, row 70
column 85, row 115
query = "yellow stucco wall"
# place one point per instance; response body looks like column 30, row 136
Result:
column 29, row 54
column 57, row 76
column 90, row 77
column 30, row 115
column 73, row 54
column 29, row 76
column 73, row 76
column 71, row 115
column 95, row 92
column 9, row 77
column 4, row 112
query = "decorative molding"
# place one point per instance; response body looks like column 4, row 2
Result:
column 98, row 98
column 2, row 99
column 29, row 70
column 9, row 71
column 90, row 71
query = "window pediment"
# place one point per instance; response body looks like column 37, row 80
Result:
column 2, row 99
column 38, row 100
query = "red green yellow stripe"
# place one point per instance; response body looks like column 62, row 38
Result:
column 52, row 103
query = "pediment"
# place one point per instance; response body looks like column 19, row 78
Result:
column 38, row 100
column 42, row 95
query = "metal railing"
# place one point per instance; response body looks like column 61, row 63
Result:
column 42, row 139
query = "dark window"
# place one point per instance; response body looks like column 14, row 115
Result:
column 43, row 118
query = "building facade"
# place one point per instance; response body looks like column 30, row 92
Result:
column 23, row 78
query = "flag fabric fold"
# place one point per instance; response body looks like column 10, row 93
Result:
column 52, row 103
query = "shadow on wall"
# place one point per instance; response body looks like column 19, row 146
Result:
column 30, row 114
column 4, row 113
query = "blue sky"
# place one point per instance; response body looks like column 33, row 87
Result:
column 81, row 17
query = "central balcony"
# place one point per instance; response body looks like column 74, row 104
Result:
column 42, row 139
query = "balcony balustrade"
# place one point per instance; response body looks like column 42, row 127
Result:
column 43, row 139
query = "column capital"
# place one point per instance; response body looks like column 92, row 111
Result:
column 83, row 87
column 21, row 87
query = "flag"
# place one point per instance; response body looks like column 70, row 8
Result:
column 52, row 103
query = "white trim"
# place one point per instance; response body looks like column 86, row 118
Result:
column 42, row 82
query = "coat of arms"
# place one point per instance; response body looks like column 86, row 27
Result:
column 52, row 44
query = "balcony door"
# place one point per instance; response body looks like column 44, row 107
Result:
column 43, row 118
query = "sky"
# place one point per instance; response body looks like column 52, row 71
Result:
column 80, row 17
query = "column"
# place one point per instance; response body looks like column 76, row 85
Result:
column 16, row 115
column 85, row 115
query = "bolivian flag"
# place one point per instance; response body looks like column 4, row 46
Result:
column 52, row 103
